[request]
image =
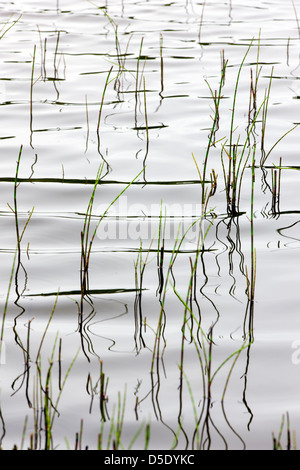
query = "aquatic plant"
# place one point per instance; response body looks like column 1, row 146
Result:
column 204, row 368
column 290, row 436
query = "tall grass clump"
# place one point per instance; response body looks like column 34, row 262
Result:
column 236, row 148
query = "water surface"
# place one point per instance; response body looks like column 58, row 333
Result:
column 156, row 336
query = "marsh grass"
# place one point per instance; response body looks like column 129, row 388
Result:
column 39, row 390
column 238, row 153
column 43, row 378
column 236, row 149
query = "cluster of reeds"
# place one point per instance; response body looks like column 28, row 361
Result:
column 44, row 386
column 43, row 403
column 236, row 149
column 39, row 387
column 192, row 335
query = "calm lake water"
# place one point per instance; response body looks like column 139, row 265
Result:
column 194, row 337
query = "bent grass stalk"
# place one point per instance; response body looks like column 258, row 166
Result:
column 213, row 186
column 107, row 82
column 237, row 165
column 87, row 241
column 217, row 96
column 2, row 34
column 277, row 142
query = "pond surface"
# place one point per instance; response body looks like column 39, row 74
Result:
column 150, row 228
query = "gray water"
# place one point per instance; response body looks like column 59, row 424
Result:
column 156, row 114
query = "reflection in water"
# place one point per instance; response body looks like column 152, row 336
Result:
column 286, row 235
column 188, row 320
column 192, row 336
column 20, row 266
